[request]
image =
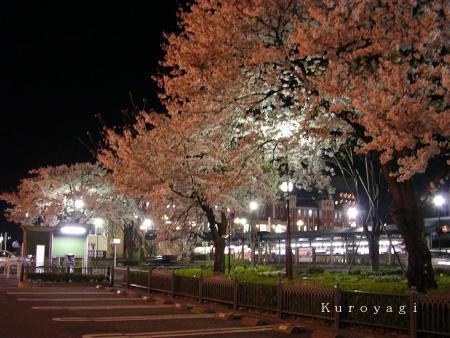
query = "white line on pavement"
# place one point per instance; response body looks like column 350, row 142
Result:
column 101, row 307
column 182, row 333
column 59, row 293
column 132, row 318
column 98, row 299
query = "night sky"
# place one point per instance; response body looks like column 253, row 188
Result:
column 64, row 63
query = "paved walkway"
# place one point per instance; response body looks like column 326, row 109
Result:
column 66, row 312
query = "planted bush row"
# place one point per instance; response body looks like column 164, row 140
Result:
column 58, row 277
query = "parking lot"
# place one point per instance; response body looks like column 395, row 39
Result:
column 90, row 312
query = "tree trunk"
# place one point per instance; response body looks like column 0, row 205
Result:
column 218, row 231
column 407, row 215
column 219, row 254
column 253, row 248
column 374, row 251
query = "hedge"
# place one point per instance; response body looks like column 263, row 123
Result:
column 64, row 277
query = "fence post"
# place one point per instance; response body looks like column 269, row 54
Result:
column 172, row 281
column 337, row 302
column 127, row 277
column 149, row 282
column 279, row 299
column 413, row 315
column 200, row 288
column 22, row 273
column 235, row 294
column 111, row 272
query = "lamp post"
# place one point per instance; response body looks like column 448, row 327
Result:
column 115, row 242
column 146, row 225
column 230, row 218
column 253, row 206
column 243, row 222
column 352, row 213
column 439, row 201
column 287, row 187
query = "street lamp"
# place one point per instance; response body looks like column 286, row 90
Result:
column 253, row 206
column 115, row 242
column 287, row 187
column 230, row 217
column 146, row 224
column 79, row 204
column 439, row 201
column 243, row 222
column 352, row 214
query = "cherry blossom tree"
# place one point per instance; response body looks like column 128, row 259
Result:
column 374, row 71
column 190, row 172
column 387, row 75
column 71, row 193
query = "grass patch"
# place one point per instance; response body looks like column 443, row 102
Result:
column 385, row 280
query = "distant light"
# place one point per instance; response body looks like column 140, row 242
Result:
column 146, row 224
column 73, row 230
column 79, row 204
column 438, row 200
column 253, row 205
column 352, row 213
column 279, row 228
column 286, row 186
column 26, row 214
column 241, row 221
column 98, row 222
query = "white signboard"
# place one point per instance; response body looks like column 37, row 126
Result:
column 40, row 255
column 306, row 255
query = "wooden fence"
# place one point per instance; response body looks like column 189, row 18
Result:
column 421, row 315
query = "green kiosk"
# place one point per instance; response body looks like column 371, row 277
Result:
column 64, row 246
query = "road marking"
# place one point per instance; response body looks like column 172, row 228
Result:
column 78, row 299
column 182, row 333
column 131, row 318
column 59, row 293
column 101, row 307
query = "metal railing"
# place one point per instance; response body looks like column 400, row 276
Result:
column 62, row 269
column 414, row 313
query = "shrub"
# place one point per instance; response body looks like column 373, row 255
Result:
column 57, row 277
column 314, row 269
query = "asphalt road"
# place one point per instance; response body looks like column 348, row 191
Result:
column 89, row 312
